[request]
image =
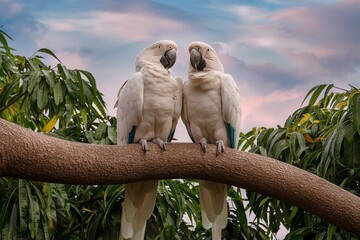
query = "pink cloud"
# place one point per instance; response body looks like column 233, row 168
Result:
column 328, row 28
column 70, row 59
column 123, row 26
column 268, row 110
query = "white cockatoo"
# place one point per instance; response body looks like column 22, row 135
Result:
column 212, row 114
column 148, row 108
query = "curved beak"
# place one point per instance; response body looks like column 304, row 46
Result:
column 196, row 60
column 169, row 58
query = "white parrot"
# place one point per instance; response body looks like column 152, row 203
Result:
column 148, row 108
column 211, row 113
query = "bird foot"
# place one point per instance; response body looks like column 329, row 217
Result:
column 143, row 143
column 203, row 142
column 220, row 147
column 159, row 142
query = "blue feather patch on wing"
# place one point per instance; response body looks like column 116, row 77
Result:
column 231, row 134
column 132, row 135
column 192, row 138
column 171, row 135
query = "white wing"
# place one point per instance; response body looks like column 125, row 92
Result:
column 231, row 107
column 140, row 196
column 212, row 194
column 177, row 107
column 129, row 108
column 184, row 112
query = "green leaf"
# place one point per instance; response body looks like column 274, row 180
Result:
column 84, row 113
column 80, row 81
column 91, row 79
column 293, row 213
column 336, row 149
column 316, row 94
column 280, row 147
column 264, row 201
column 273, row 138
column 105, row 141
column 293, row 145
column 5, row 208
column 315, row 91
column 50, row 78
column 327, row 97
column 88, row 93
column 100, row 131
column 34, row 213
column 177, row 196
column 330, row 232
column 112, row 134
column 33, row 80
column 4, row 42
column 321, row 236
column 23, row 205
column 355, row 104
column 12, row 234
column 248, row 143
column 119, row 191
column 6, row 92
column 59, row 92
column 351, row 150
column 89, row 136
column 240, row 209
column 34, row 63
column 71, row 87
column 42, row 96
column 49, row 52
column 70, row 108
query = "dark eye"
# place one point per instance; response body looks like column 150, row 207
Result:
column 159, row 46
column 208, row 49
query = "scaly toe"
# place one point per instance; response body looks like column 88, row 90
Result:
column 160, row 142
column 143, row 144
column 220, row 147
column 203, row 142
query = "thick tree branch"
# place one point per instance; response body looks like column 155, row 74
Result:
column 29, row 155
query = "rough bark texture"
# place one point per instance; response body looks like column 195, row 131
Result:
column 34, row 156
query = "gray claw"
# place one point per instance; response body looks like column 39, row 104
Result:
column 203, row 142
column 143, row 143
column 160, row 142
column 220, row 147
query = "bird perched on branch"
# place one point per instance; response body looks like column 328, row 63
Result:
column 212, row 114
column 148, row 108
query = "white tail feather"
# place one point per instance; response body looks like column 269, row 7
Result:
column 138, row 205
column 213, row 207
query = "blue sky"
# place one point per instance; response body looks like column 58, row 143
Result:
column 275, row 50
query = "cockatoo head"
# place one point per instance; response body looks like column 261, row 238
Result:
column 161, row 52
column 204, row 58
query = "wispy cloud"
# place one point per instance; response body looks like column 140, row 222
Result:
column 314, row 44
column 117, row 26
column 9, row 8
column 275, row 50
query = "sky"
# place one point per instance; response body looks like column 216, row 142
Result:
column 275, row 50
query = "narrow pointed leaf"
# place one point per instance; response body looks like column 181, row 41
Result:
column 50, row 125
column 112, row 134
column 23, row 205
column 49, row 52
column 356, row 112
column 59, row 92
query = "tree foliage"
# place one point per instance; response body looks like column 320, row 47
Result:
column 64, row 103
column 320, row 137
